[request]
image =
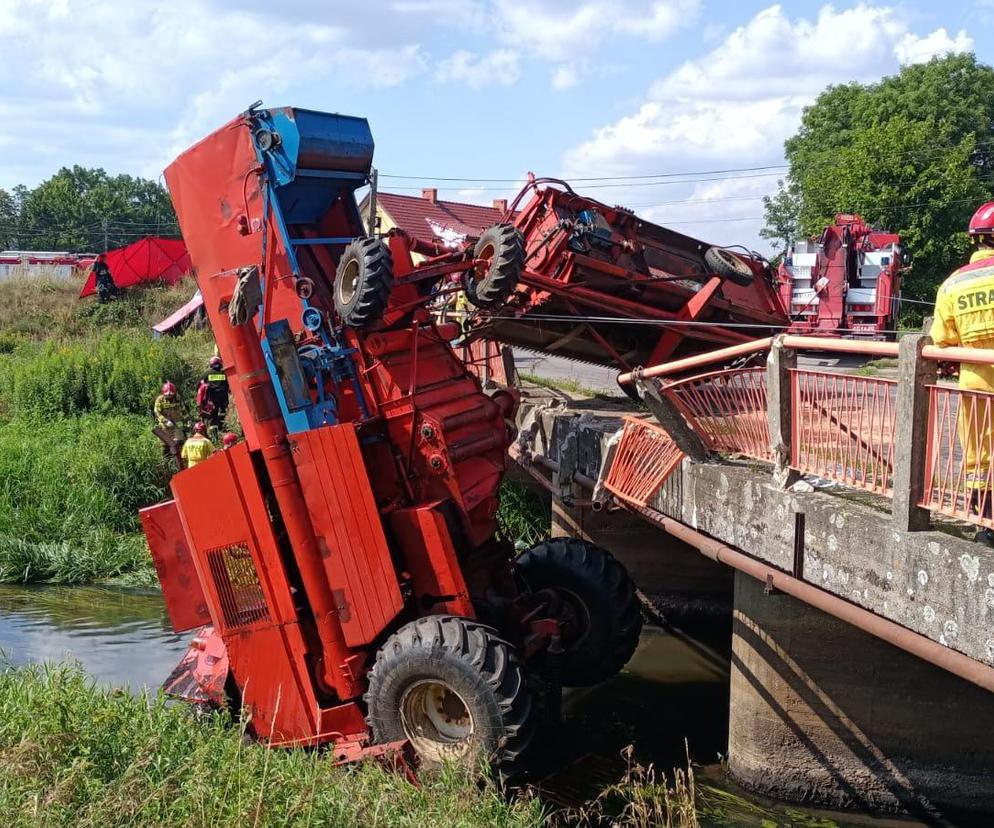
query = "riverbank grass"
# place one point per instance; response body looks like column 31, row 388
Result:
column 73, row 754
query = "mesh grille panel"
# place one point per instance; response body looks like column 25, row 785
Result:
column 237, row 584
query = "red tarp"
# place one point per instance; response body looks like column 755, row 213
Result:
column 146, row 260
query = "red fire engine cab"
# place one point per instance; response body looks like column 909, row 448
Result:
column 846, row 283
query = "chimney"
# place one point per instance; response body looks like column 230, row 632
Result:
column 500, row 204
column 430, row 194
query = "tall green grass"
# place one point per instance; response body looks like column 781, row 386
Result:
column 72, row 754
column 77, row 457
column 524, row 516
column 112, row 372
column 70, row 490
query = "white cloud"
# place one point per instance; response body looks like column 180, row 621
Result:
column 565, row 76
column 735, row 105
column 497, row 67
column 739, row 102
column 914, row 49
column 134, row 82
column 558, row 30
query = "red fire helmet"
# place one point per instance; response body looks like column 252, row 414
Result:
column 982, row 223
column 168, row 389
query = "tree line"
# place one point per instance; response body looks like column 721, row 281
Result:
column 913, row 153
column 81, row 209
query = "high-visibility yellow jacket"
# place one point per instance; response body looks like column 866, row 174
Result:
column 196, row 449
column 964, row 316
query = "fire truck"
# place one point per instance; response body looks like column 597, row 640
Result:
column 845, row 283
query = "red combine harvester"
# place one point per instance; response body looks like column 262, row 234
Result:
column 342, row 565
column 847, row 283
column 582, row 280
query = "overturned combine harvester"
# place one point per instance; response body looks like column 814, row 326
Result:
column 583, row 280
column 342, row 564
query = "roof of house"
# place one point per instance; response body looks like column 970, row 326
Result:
column 427, row 219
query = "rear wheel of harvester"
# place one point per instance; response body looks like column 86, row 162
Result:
column 591, row 595
column 727, row 264
column 362, row 282
column 453, row 689
column 502, row 248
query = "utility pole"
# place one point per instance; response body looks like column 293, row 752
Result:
column 106, row 246
column 372, row 202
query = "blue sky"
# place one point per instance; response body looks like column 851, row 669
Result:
column 466, row 88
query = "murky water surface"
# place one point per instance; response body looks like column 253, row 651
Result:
column 119, row 636
column 672, row 697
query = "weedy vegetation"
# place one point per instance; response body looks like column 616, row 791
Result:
column 77, row 456
column 73, row 754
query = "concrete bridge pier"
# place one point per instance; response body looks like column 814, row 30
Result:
column 822, row 712
column 679, row 581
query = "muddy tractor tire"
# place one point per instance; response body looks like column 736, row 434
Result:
column 362, row 282
column 454, row 689
column 503, row 248
column 727, row 264
column 593, row 597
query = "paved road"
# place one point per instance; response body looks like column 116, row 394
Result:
column 592, row 377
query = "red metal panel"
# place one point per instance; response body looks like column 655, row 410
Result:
column 347, row 523
column 181, row 588
column 430, row 556
column 240, row 567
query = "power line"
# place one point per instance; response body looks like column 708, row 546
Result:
column 830, row 157
column 520, row 180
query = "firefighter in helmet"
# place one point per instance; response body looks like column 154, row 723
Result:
column 212, row 395
column 230, row 440
column 168, row 413
column 104, row 280
column 197, row 448
column 964, row 317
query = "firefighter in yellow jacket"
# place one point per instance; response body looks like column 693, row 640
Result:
column 197, row 448
column 964, row 316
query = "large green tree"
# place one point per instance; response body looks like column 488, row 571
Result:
column 79, row 209
column 913, row 153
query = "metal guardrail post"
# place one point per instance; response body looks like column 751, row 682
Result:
column 779, row 410
column 914, row 375
column 672, row 420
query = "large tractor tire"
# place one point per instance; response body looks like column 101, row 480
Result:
column 503, row 248
column 453, row 689
column 593, row 597
column 727, row 264
column 362, row 282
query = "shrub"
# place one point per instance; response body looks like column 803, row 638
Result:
column 70, row 490
column 115, row 372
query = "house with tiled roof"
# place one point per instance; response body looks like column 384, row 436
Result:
column 431, row 219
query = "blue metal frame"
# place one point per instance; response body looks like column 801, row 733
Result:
column 296, row 195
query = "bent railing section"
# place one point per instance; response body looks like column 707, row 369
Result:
column 852, row 429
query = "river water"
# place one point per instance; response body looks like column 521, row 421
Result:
column 672, row 697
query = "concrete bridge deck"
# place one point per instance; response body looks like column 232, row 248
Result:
column 822, row 710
